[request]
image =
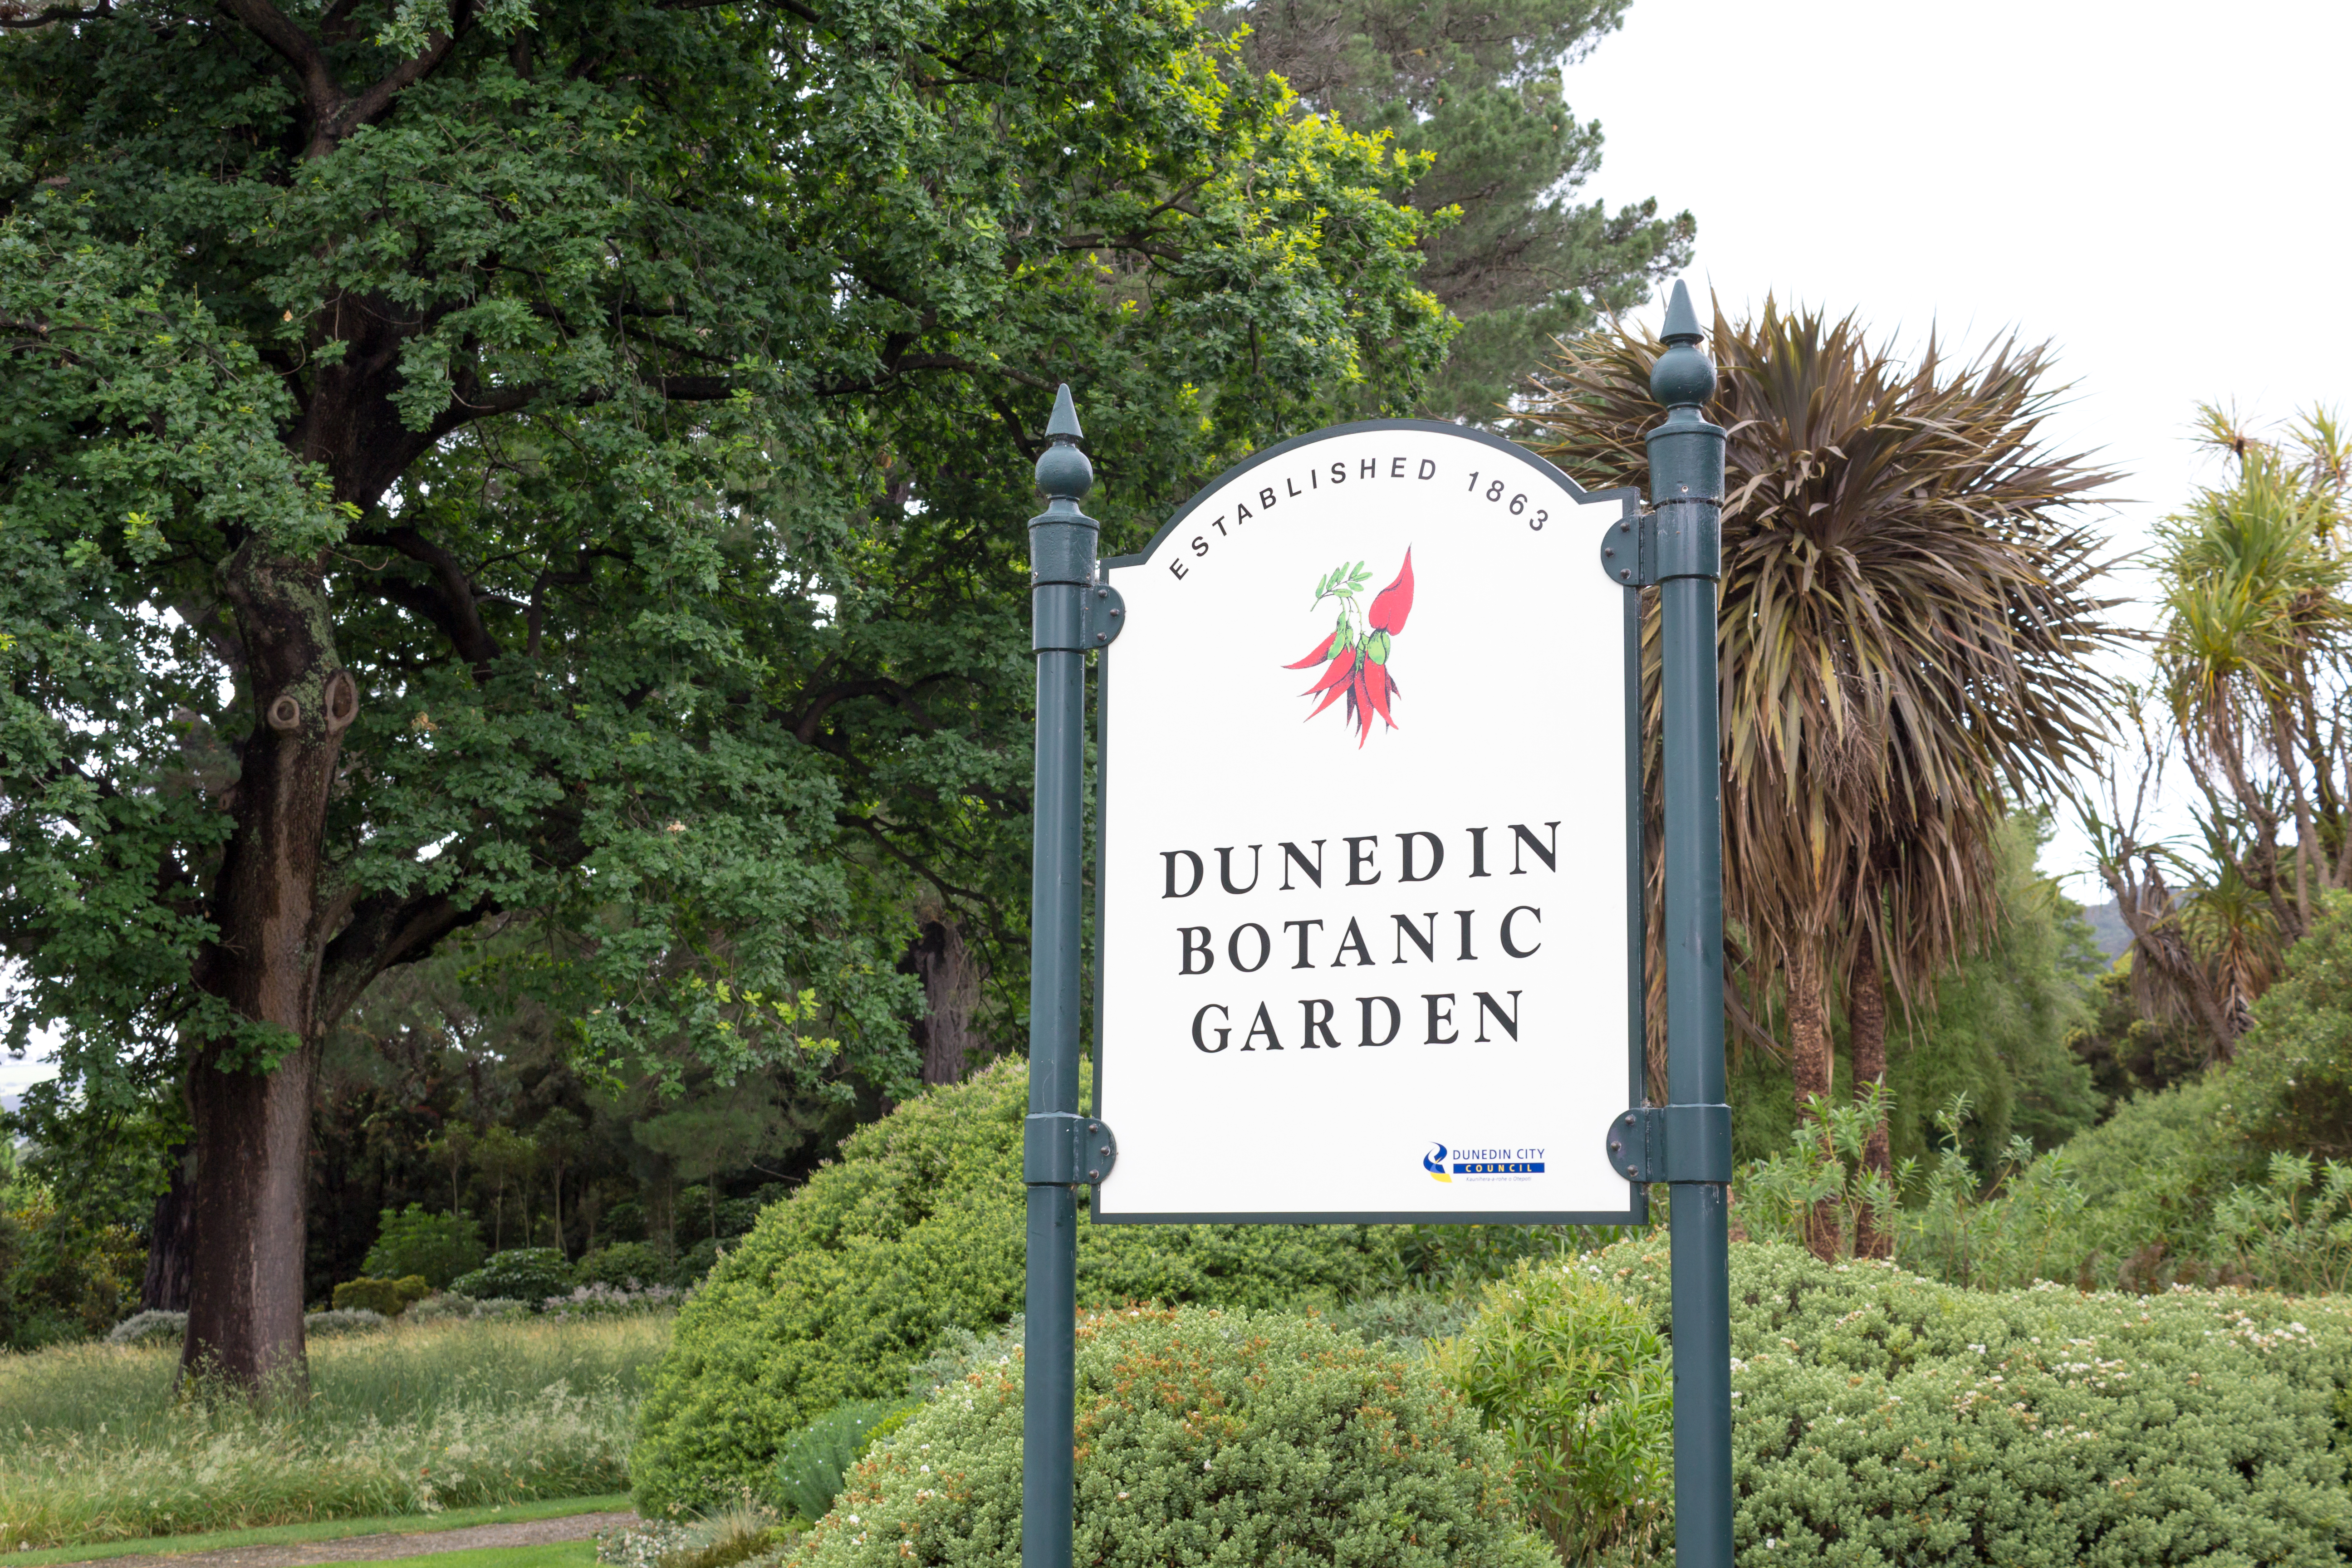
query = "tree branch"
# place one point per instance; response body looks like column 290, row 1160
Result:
column 323, row 93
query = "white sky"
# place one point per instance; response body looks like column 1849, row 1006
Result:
column 2155, row 186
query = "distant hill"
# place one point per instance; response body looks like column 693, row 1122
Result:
column 2108, row 929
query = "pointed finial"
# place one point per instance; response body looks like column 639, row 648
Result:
column 1065, row 422
column 1063, row 471
column 1684, row 377
column 1682, row 321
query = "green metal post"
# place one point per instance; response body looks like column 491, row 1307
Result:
column 1686, row 496
column 1061, row 542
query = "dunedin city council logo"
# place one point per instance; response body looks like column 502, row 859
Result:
column 1444, row 1164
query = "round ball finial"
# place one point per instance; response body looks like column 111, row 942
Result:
column 1682, row 377
column 1064, row 473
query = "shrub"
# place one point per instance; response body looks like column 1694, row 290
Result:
column 1406, row 1320
column 2292, row 1075
column 149, row 1327
column 450, row 1307
column 810, row 1469
column 1574, row 1378
column 440, row 1246
column 529, row 1274
column 342, row 1321
column 604, row 1301
column 389, row 1296
column 628, row 1264
column 916, row 1228
column 1883, row 1417
column 1206, row 1436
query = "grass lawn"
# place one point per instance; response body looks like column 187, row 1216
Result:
column 96, row 1447
column 329, row 1530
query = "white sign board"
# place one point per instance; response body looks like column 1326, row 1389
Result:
column 1370, row 917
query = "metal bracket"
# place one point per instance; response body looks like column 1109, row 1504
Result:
column 1106, row 612
column 1061, row 1149
column 1629, row 550
column 1073, row 622
column 1671, row 1143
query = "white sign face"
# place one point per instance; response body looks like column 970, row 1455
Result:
column 1367, row 862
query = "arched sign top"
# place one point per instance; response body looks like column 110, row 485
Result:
column 1368, row 872
column 1502, row 447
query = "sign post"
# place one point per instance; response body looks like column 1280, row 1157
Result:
column 1064, row 605
column 1686, row 510
column 1370, row 871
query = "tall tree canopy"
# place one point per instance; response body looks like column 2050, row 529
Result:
column 1516, row 254
column 462, row 456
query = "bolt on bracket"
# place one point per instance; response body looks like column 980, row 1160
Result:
column 1671, row 1143
column 1062, row 1149
column 1629, row 550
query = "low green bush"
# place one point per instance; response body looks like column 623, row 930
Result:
column 1573, row 1376
column 450, row 1307
column 1883, row 1417
column 528, row 1274
column 340, row 1320
column 624, row 1265
column 150, row 1328
column 413, row 1240
column 809, row 1471
column 1216, row 1438
column 918, row 1228
column 389, row 1296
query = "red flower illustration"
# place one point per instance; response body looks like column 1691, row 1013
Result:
column 1356, row 654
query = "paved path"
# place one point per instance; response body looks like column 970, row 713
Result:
column 369, row 1548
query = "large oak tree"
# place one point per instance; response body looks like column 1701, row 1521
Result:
column 566, row 459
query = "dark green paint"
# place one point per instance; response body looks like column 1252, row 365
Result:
column 1061, row 574
column 1687, row 499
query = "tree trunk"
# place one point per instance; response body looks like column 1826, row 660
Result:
column 169, row 1236
column 952, row 978
column 250, row 1088
column 1810, row 1066
column 1867, row 1021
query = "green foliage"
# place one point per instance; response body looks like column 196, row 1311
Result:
column 102, row 1443
column 1513, row 252
column 2287, row 1234
column 2126, row 1049
column 810, row 1469
column 527, row 1274
column 1883, row 1417
column 143, row 1327
column 2292, row 1080
column 1824, row 1164
column 1225, row 1438
column 440, row 1246
column 1573, row 1377
column 1461, row 1257
column 1408, row 1322
column 387, row 1298
column 918, row 1227
column 628, row 1265
column 61, row 1276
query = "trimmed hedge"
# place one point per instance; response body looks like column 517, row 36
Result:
column 1883, row 1417
column 389, row 1296
column 916, row 1229
column 1224, row 1438
column 529, row 1274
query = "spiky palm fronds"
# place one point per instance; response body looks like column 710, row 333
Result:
column 1909, row 616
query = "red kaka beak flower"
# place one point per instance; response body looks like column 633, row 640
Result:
column 1395, row 601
